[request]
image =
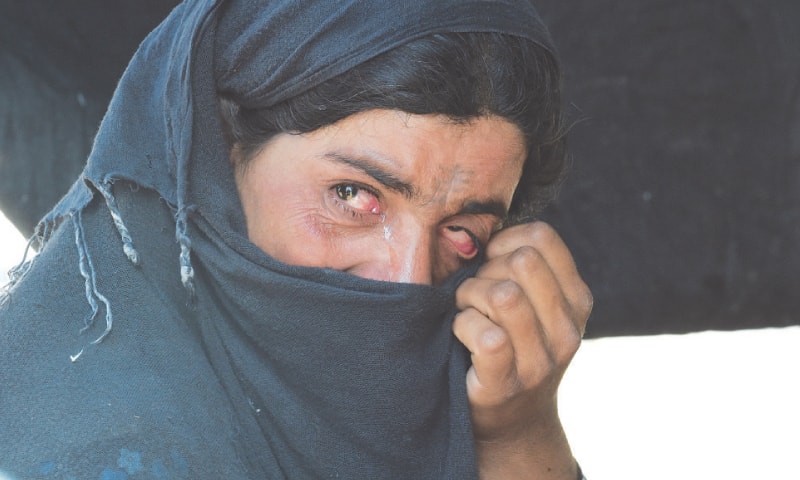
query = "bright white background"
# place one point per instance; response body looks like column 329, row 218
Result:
column 12, row 247
column 709, row 405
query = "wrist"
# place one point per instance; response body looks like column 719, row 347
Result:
column 542, row 453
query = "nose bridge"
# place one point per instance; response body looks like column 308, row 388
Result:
column 411, row 254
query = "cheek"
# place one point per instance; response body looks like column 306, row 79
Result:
column 264, row 203
column 279, row 218
column 293, row 235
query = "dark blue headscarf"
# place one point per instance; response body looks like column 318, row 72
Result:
column 233, row 365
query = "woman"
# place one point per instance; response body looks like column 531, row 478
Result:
column 331, row 179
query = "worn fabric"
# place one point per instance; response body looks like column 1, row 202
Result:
column 151, row 339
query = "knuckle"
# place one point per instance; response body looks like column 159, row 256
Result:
column 541, row 233
column 570, row 332
column 493, row 341
column 568, row 345
column 585, row 302
column 572, row 341
column 525, row 260
column 588, row 302
column 505, row 295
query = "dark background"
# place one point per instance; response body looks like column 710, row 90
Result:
column 682, row 206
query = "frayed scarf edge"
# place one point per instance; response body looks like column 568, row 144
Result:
column 94, row 297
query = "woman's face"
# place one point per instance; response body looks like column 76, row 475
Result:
column 383, row 194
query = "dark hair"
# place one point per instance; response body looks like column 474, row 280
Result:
column 461, row 75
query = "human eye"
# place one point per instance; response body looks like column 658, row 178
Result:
column 357, row 200
column 464, row 241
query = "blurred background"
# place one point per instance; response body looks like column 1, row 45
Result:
column 682, row 209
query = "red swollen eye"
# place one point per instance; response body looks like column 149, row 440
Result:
column 358, row 199
column 463, row 240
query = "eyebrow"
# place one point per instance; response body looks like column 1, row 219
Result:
column 377, row 172
column 495, row 208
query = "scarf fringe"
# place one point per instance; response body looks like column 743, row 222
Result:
column 181, row 235
column 124, row 233
column 20, row 270
column 86, row 266
column 89, row 275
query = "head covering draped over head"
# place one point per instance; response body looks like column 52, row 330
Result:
column 254, row 368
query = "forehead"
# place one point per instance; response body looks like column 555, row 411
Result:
column 434, row 154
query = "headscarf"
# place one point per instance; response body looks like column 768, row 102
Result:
column 302, row 372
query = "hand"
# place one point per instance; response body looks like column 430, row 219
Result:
column 522, row 318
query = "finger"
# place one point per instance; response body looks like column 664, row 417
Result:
column 511, row 238
column 554, row 252
column 536, row 281
column 543, row 238
column 505, row 304
column 492, row 376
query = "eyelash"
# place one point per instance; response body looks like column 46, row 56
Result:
column 349, row 211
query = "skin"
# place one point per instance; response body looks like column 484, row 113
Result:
column 392, row 196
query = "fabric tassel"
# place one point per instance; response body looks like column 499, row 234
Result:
column 124, row 233
column 17, row 272
column 90, row 280
column 181, row 235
